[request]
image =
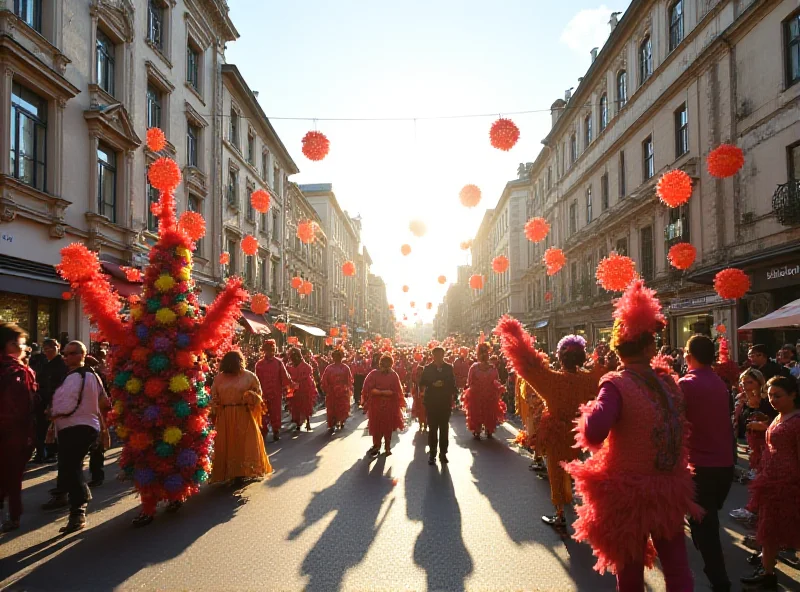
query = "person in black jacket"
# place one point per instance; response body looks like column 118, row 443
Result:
column 49, row 376
column 438, row 382
column 760, row 360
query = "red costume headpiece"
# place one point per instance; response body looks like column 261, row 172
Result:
column 636, row 313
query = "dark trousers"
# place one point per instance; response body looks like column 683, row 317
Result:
column 713, row 485
column 14, row 454
column 438, row 429
column 97, row 460
column 358, row 385
column 42, row 424
column 73, row 446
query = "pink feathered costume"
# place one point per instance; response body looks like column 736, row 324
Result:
column 482, row 402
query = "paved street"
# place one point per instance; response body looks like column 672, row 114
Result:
column 329, row 519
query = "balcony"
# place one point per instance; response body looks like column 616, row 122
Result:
column 786, row 203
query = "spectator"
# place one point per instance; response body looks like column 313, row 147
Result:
column 760, row 360
column 49, row 378
column 787, row 357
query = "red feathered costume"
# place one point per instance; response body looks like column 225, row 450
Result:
column 383, row 395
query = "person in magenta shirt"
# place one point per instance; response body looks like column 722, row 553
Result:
column 384, row 402
column 275, row 381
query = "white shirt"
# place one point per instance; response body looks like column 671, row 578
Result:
column 66, row 397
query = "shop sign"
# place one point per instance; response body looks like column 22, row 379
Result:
column 769, row 278
column 698, row 302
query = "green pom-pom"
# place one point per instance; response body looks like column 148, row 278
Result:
column 158, row 363
column 202, row 400
column 200, row 476
column 180, row 297
column 153, row 304
column 163, row 449
column 121, row 379
column 200, row 386
column 204, row 433
column 182, row 409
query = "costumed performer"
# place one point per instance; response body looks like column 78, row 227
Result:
column 275, row 381
column 384, row 403
column 337, row 384
column 530, row 406
column 303, row 396
column 482, row 399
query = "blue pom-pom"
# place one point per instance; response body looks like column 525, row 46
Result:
column 141, row 332
column 202, row 400
column 183, row 340
column 144, row 476
column 173, row 483
column 186, row 458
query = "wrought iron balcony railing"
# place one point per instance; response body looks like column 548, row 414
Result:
column 786, row 203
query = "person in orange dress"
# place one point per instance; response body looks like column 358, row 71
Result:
column 237, row 407
column 301, row 400
column 563, row 393
column 384, row 401
column 482, row 402
column 337, row 384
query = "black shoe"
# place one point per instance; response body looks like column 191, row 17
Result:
column 57, row 502
column 557, row 521
column 297, row 428
column 476, row 435
column 443, row 459
column 95, row 483
column 142, row 520
column 431, row 460
column 373, row 452
column 275, row 437
column 762, row 580
column 173, row 507
column 9, row 526
column 74, row 524
column 754, row 559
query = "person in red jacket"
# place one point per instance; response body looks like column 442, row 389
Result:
column 275, row 381
column 384, row 402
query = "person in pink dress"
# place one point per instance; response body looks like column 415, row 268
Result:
column 482, row 403
column 776, row 489
column 384, row 402
column 301, row 400
column 275, row 381
column 337, row 384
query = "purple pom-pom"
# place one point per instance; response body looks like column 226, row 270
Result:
column 161, row 344
column 143, row 476
column 151, row 413
column 187, row 458
column 571, row 341
column 141, row 332
column 183, row 340
column 173, row 483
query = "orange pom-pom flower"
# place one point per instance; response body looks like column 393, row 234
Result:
column 731, row 283
column 500, row 264
column 442, row 279
column 306, row 288
column 193, row 225
column 250, row 245
column 164, row 174
column 66, row 295
column 470, row 196
column 156, row 140
column 417, row 228
column 224, row 258
column 405, row 250
column 554, row 259
column 721, row 329
column 412, row 304
column 536, row 229
column 306, row 231
column 334, row 331
column 405, row 288
column 132, row 274
column 476, row 282
column 674, row 188
column 548, row 296
column 316, row 146
column 329, row 341
column 259, row 199
column 429, row 305
column 296, row 282
column 682, row 255
column 78, row 263
column 725, row 161
column 349, row 268
column 504, row 134
column 466, row 245
column 259, row 304
column 615, row 272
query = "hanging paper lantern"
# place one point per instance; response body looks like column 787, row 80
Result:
column 164, row 174
column 504, row 134
column 615, row 272
column 405, row 288
column 682, row 255
column 725, row 161
column 476, row 282
column 548, row 296
column 296, row 282
column 349, row 268
column 259, row 199
column 193, row 225
column 442, row 279
column 316, row 146
column 250, row 245
column 405, row 250
column 731, row 283
column 306, row 288
column 156, row 140
column 554, row 260
column 674, row 188
column 66, row 295
column 417, row 228
column 536, row 229
column 721, row 329
column 429, row 305
column 470, row 196
column 259, row 304
column 224, row 258
column 306, row 231
column 334, row 331
column 466, row 245
column 500, row 264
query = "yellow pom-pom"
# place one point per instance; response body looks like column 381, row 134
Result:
column 185, row 274
column 133, row 386
column 185, row 253
column 181, row 308
column 121, row 431
column 164, row 283
column 172, row 435
column 179, row 383
column 118, row 407
column 136, row 312
column 165, row 316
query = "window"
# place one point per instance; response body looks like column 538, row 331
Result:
column 575, row 279
column 233, row 188
column 645, row 60
column 603, row 112
column 604, row 193
column 573, row 218
column 647, row 252
column 677, row 229
column 155, row 23
column 193, row 66
column 153, row 107
column 675, row 24
column 573, row 149
column 622, row 89
column 589, row 205
column 30, row 11
column 152, row 198
column 263, row 224
column 681, row 131
column 276, row 180
column 276, row 226
column 264, row 165
column 263, row 274
column 587, row 131
column 192, row 143
column 622, row 246
column 107, row 182
column 233, row 251
column 248, row 270
column 622, row 188
column 105, row 62
column 251, row 149
column 648, row 164
column 549, row 177
column 28, row 137
column 194, row 205
column 250, row 211
column 794, row 162
column 274, row 282
column 791, row 35
column 233, row 136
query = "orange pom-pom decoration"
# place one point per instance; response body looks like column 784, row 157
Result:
column 78, row 264
column 405, row 288
column 259, row 304
column 193, row 225
column 154, row 387
column 259, row 199
column 615, row 272
column 132, row 274
column 466, row 245
column 316, row 146
column 504, row 134
column 470, row 196
column 721, row 329
column 554, row 259
column 725, row 161
column 349, row 268
column 682, row 255
column 548, row 296
column 500, row 264
column 334, row 331
column 391, row 307
column 281, row 327
column 442, row 280
column 405, row 250
column 134, row 299
column 164, row 174
column 139, row 440
column 306, row 289
column 140, row 354
column 417, row 228
column 731, row 283
column 224, row 258
column 296, row 282
column 250, row 245
column 184, row 359
column 429, row 305
column 66, row 295
column 306, row 231
column 476, row 282
column 536, row 229
column 674, row 188
column 156, row 140
column 329, row 341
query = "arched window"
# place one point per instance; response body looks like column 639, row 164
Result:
column 587, row 131
column 645, row 59
column 675, row 24
column 603, row 112
column 622, row 89
column 573, row 149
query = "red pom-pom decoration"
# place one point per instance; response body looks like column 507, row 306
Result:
column 548, row 296
column 296, row 282
column 536, row 229
column 616, row 272
column 164, row 174
column 417, row 228
column 442, row 280
column 78, row 264
column 725, row 161
column 674, row 188
column 259, row 304
column 156, row 140
column 554, row 259
column 334, row 331
column 349, row 268
column 307, row 231
column 476, row 282
column 193, row 225
column 429, row 305
column 412, row 304
column 259, row 199
column 281, row 327
column 500, row 264
column 405, row 250
column 466, row 245
column 731, row 283
column 155, row 208
column 250, row 245
column 721, row 329
column 405, row 288
column 316, row 146
column 682, row 255
column 132, row 274
column 470, row 196
column 66, row 295
column 504, row 134
column 224, row 258
column 329, row 341
column 306, row 288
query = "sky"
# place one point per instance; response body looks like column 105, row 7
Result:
column 416, row 59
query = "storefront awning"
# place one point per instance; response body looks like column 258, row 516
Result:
column 786, row 316
column 541, row 324
column 28, row 277
column 254, row 323
column 316, row 332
